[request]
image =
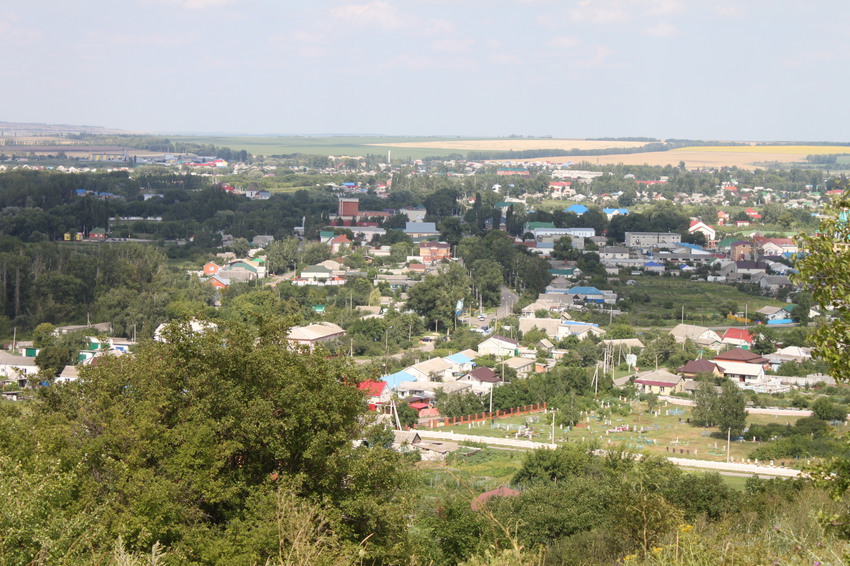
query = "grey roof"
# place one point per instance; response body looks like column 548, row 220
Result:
column 420, row 227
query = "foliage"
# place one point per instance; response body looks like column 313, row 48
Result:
column 824, row 271
column 186, row 442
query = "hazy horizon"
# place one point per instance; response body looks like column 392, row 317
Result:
column 728, row 70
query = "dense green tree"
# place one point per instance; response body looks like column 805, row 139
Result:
column 282, row 255
column 731, row 412
column 186, row 443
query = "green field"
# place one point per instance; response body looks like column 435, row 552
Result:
column 659, row 300
column 325, row 145
column 667, row 434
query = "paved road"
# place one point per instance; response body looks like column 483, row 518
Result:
column 722, row 467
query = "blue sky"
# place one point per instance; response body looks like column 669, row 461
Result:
column 718, row 69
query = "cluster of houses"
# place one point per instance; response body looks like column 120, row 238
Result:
column 18, row 367
column 233, row 270
column 731, row 358
column 418, row 384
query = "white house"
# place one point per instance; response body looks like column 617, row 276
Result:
column 499, row 346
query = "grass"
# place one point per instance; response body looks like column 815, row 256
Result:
column 659, row 300
column 659, row 435
column 326, row 145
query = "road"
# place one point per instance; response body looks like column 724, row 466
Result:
column 505, row 309
column 734, row 468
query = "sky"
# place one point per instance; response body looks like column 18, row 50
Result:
column 761, row 70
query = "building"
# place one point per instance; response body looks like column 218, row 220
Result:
column 741, row 250
column 738, row 337
column 659, row 381
column 651, row 239
column 499, row 346
column 433, row 252
column 314, row 334
column 420, row 231
column 702, row 228
column 348, row 208
column 700, row 335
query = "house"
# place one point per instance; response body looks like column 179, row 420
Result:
column 433, row 252
column 460, row 363
column 624, row 343
column 211, row 268
column 696, row 367
column 17, row 368
column 394, row 380
column 577, row 209
column 581, row 330
column 377, row 393
column 483, row 379
column 435, row 369
column 338, row 242
column 742, row 373
column 561, row 189
column 740, row 355
column 700, row 335
column 659, row 381
column 702, row 228
column 314, row 334
column 614, row 253
column 522, row 366
column 777, row 246
column 68, row 374
column 654, row 267
column 548, row 325
column 499, row 346
column 428, row 389
column 651, row 239
column 419, row 231
column 775, row 315
column 587, row 294
column 405, row 440
column 219, row 282
column 262, row 240
column 741, row 250
column 788, row 354
column 98, row 234
column 772, row 284
column 738, row 337
column 316, row 273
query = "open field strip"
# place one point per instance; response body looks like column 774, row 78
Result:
column 666, row 433
column 707, row 465
column 514, row 144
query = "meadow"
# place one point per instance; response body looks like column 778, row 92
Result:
column 658, row 300
column 665, row 433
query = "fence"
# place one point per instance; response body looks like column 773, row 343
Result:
column 485, row 416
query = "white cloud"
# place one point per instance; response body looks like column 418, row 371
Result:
column 599, row 12
column 304, row 44
column 373, row 14
column 664, row 7
column 452, row 45
column 12, row 33
column 563, row 42
column 662, row 29
column 438, row 27
column 200, row 4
